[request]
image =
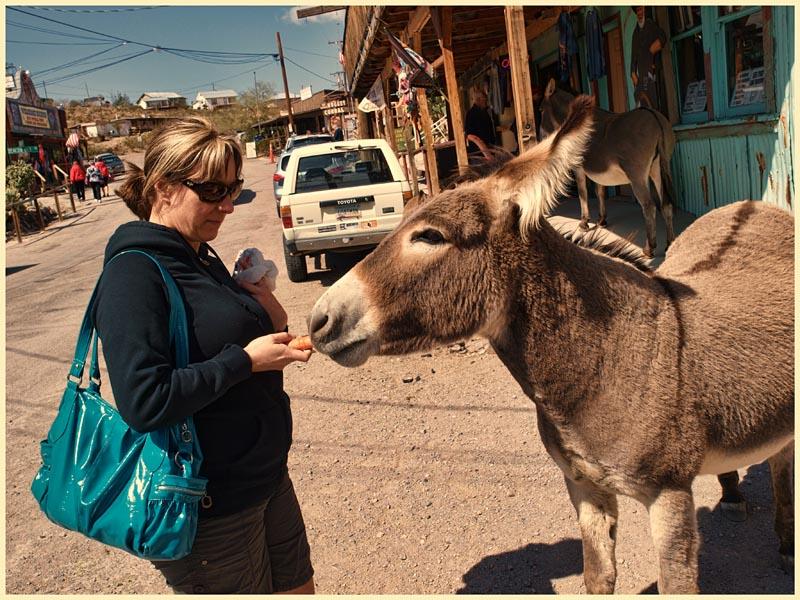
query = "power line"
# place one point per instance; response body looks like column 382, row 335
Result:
column 95, row 10
column 92, row 70
column 59, row 43
column 53, row 32
column 308, row 52
column 308, row 70
column 72, row 63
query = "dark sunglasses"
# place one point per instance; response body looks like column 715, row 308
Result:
column 214, row 192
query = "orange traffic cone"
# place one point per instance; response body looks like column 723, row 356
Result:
column 271, row 154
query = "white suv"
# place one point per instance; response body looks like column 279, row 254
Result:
column 339, row 196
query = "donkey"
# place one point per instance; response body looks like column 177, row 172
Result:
column 633, row 147
column 641, row 381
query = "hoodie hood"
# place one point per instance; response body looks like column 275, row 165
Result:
column 143, row 235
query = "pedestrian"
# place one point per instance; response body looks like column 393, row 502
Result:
column 77, row 178
column 250, row 536
column 104, row 172
column 336, row 128
column 94, row 178
column 479, row 122
column 647, row 41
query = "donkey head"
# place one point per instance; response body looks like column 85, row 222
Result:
column 448, row 271
column 555, row 106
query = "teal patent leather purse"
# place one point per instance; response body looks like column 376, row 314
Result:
column 135, row 491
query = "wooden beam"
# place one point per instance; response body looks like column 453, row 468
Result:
column 453, row 93
column 431, row 169
column 387, row 109
column 662, row 18
column 520, row 77
column 313, row 11
column 417, row 20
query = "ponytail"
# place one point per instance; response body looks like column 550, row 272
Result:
column 132, row 192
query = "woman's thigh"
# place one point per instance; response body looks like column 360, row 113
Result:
column 228, row 556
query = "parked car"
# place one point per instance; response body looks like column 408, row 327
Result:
column 296, row 141
column 339, row 197
column 113, row 162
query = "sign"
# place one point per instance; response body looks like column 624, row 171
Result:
column 749, row 87
column 306, row 93
column 695, row 100
column 374, row 99
column 250, row 149
column 23, row 150
column 26, row 118
column 34, row 117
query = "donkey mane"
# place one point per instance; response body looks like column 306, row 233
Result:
column 621, row 248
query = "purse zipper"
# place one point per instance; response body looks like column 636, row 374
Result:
column 182, row 490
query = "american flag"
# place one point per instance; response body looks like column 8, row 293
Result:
column 73, row 141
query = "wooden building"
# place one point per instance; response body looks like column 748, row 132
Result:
column 724, row 82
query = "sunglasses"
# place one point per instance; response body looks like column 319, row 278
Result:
column 214, row 192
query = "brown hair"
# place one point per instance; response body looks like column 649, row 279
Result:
column 186, row 148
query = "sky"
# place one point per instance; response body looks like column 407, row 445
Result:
column 309, row 57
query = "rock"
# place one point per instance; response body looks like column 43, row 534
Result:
column 408, row 379
column 427, row 355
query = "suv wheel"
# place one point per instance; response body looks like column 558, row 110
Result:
column 296, row 267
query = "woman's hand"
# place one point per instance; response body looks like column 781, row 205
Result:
column 261, row 292
column 270, row 352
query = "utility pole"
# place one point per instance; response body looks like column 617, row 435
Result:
column 44, row 84
column 258, row 110
column 285, row 84
column 87, row 88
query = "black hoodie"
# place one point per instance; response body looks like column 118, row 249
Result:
column 243, row 419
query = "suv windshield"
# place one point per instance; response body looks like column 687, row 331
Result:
column 352, row 168
column 317, row 139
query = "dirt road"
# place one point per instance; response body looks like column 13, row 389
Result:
column 436, row 486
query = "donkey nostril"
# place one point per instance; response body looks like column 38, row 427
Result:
column 317, row 322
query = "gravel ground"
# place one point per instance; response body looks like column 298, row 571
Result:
column 439, row 485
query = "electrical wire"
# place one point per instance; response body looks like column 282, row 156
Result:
column 94, row 10
column 53, row 32
column 209, row 83
column 94, row 69
column 307, row 52
column 72, row 63
column 307, row 70
column 59, row 43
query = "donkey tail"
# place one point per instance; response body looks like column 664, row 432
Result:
column 666, row 145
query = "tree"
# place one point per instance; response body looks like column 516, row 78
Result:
column 254, row 100
column 19, row 181
column 119, row 99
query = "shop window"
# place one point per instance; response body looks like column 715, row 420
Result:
column 744, row 48
column 733, row 39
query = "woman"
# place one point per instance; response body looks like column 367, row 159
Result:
column 94, row 178
column 77, row 178
column 251, row 537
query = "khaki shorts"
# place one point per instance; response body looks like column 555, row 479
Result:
column 260, row 550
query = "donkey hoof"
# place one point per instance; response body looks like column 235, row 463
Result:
column 602, row 222
column 787, row 563
column 648, row 252
column 584, row 225
column 734, row 511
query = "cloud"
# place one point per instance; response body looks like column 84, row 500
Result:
column 290, row 16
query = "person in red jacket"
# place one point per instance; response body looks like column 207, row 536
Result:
column 101, row 166
column 77, row 178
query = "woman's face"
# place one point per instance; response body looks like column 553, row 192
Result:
column 195, row 220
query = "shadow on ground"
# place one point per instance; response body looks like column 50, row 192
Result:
column 246, row 197
column 337, row 265
column 528, row 570
column 735, row 558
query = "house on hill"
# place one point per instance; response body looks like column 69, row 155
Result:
column 214, row 99
column 161, row 100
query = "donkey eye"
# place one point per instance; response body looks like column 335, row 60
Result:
column 428, row 236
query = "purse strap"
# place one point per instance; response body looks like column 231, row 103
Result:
column 184, row 433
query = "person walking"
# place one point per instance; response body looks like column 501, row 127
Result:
column 77, row 179
column 336, row 125
column 95, row 179
column 105, row 173
column 250, row 536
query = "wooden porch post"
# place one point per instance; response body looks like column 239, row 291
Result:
column 431, row 169
column 387, row 109
column 520, row 77
column 453, row 95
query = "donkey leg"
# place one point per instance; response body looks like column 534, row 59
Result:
column 781, row 467
column 601, row 199
column 732, row 503
column 597, row 515
column 642, row 192
column 583, row 196
column 674, row 530
column 664, row 201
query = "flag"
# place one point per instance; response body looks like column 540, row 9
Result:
column 420, row 72
column 374, row 99
column 73, row 141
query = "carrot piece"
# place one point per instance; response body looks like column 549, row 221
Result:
column 301, row 342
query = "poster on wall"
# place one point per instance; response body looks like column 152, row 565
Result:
column 695, row 100
column 749, row 88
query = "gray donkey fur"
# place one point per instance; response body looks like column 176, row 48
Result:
column 641, row 380
column 633, row 147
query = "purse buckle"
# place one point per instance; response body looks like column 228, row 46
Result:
column 188, row 458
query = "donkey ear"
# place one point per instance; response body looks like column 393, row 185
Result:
column 536, row 178
column 551, row 87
